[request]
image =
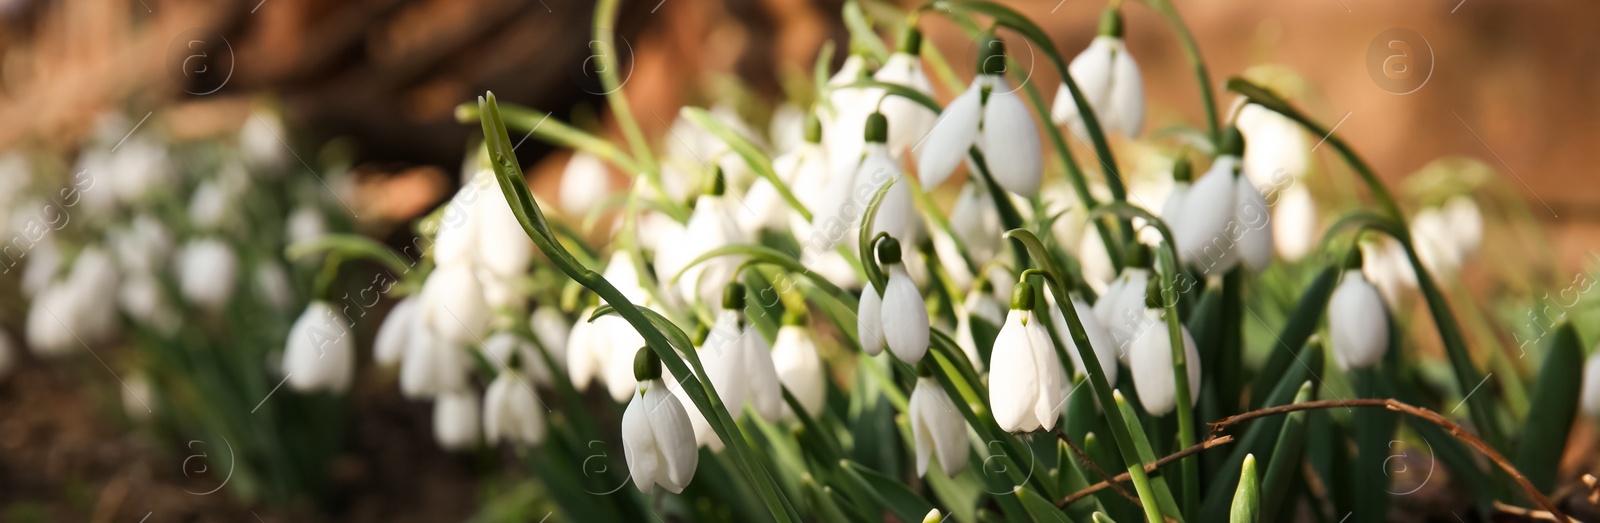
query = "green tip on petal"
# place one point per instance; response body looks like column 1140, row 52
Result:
column 718, row 184
column 795, row 317
column 813, row 127
column 1138, row 256
column 910, row 41
column 1354, row 260
column 646, row 365
column 1111, row 23
column 1182, row 170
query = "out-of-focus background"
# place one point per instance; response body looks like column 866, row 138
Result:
column 1508, row 85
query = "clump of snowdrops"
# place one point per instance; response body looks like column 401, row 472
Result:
column 796, row 327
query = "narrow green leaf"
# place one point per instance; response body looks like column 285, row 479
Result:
column 752, row 155
column 1247, row 499
column 861, row 34
column 890, row 493
column 553, row 131
column 1040, row 509
column 1302, row 323
column 352, row 246
column 1286, row 457
column 1555, row 404
column 1261, row 434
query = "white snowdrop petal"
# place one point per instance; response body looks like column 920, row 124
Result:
column 455, row 420
column 794, row 355
column 1294, row 223
column 1591, row 385
column 869, row 322
column 905, row 317
column 1047, row 407
column 1125, row 106
column 1251, row 218
column 1202, row 239
column 390, row 344
column 639, row 445
column 674, row 437
column 1013, row 381
column 955, row 131
column 1011, row 143
column 1357, row 324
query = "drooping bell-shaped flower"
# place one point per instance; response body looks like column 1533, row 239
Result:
column 432, row 365
column 452, row 304
column 1105, row 351
column 1223, row 219
column 794, row 355
column 1467, row 222
column 739, row 362
column 845, row 113
column 1110, row 82
column 904, row 316
column 936, row 426
column 908, row 121
column 1150, row 360
column 455, row 420
column 512, row 412
column 305, row 224
column 657, row 439
column 1182, row 183
column 207, row 273
column 990, row 115
column 869, row 321
column 552, row 331
column 585, row 183
column 321, row 351
column 711, row 225
column 975, row 220
column 1024, row 373
column 50, row 316
column 588, row 351
column 1294, row 222
column 1280, row 150
column 504, row 250
column 273, row 285
column 849, row 196
column 389, row 345
column 1357, row 322
column 511, row 352
column 619, row 336
column 1120, row 310
column 93, row 274
column 143, row 298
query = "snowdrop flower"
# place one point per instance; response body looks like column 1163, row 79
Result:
column 94, row 274
column 504, row 249
column 936, row 426
column 260, row 139
column 509, row 351
column 1466, row 221
column 1151, row 361
column 1222, row 221
column 903, row 317
column 908, row 120
column 1105, row 351
column 143, row 299
column 991, row 116
column 1294, row 222
column 1120, row 310
column 455, row 420
column 588, row 351
column 321, row 353
column 552, row 330
column 306, row 225
column 511, row 412
column 1182, row 183
column 657, row 439
column 787, row 128
column 585, row 184
column 49, row 331
column 207, row 273
column 143, row 246
column 739, row 362
column 1591, row 385
column 1434, row 239
column 794, row 355
column 41, row 266
column 138, row 396
column 432, row 365
column 712, row 224
column 976, row 221
column 847, row 195
column 140, row 164
column 1280, row 149
column 452, row 304
column 1357, row 322
column 1110, row 83
column 211, row 204
column 1024, row 374
column 389, row 346
column 849, row 109
column 869, row 321
column 1385, row 264
column 272, row 283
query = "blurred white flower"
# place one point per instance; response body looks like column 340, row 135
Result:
column 389, row 345
column 94, row 276
column 908, row 121
column 1279, row 150
column 1466, row 221
column 208, row 271
column 585, row 184
column 621, row 341
column 1110, row 82
column 455, row 420
column 1024, row 374
column 432, row 365
column 787, row 128
column 1100, row 341
column 845, row 115
column 143, row 299
column 503, row 248
column 321, row 352
column 42, row 263
column 511, row 412
column 143, row 246
column 657, row 440
column 211, row 204
column 711, row 225
column 49, row 331
column 1294, row 222
column 138, row 397
column 272, row 282
column 1120, row 309
column 261, row 140
column 1151, row 364
column 794, row 355
column 735, row 356
column 139, row 165
column 552, row 330
column 306, row 225
column 452, row 304
column 1357, row 322
column 1223, row 221
column 1433, row 237
column 587, row 351
column 510, row 352
column 936, row 427
column 976, row 221
column 1385, row 264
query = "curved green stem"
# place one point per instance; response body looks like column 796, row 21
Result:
column 1191, row 52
